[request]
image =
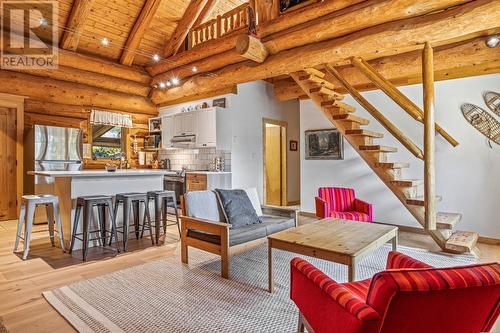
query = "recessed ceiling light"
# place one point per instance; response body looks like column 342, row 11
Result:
column 43, row 22
column 105, row 41
column 169, row 83
column 175, row 81
column 162, row 85
column 156, row 57
column 194, row 69
column 492, row 41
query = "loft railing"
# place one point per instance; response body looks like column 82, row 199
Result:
column 236, row 19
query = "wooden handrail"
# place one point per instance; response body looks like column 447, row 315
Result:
column 429, row 138
column 405, row 141
column 229, row 22
column 397, row 96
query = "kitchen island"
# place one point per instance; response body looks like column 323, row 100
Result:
column 68, row 185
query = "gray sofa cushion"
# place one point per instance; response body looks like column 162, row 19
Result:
column 248, row 233
column 203, row 205
column 237, row 208
column 276, row 224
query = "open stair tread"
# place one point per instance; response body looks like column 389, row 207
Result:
column 313, row 71
column 338, row 104
column 392, row 165
column 378, row 148
column 462, row 241
column 326, row 91
column 447, row 220
column 407, row 182
column 363, row 132
column 350, row 117
column 419, row 200
column 314, row 80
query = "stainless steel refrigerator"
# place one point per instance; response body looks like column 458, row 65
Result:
column 50, row 148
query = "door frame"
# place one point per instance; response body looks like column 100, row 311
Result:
column 284, row 162
column 17, row 102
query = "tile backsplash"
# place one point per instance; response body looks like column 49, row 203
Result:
column 195, row 159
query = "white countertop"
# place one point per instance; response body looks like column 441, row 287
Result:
column 103, row 173
column 210, row 172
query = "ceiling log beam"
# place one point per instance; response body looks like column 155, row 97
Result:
column 187, row 21
column 142, row 23
column 75, row 25
column 459, row 23
column 458, row 60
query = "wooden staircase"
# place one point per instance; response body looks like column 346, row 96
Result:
column 364, row 141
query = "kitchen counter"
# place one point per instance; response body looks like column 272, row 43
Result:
column 68, row 185
column 103, row 173
column 210, row 172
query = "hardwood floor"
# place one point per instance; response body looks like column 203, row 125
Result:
column 22, row 306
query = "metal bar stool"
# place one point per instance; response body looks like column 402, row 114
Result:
column 132, row 201
column 27, row 214
column 88, row 203
column 163, row 200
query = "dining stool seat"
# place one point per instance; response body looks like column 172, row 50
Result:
column 88, row 204
column 163, row 200
column 27, row 215
column 131, row 202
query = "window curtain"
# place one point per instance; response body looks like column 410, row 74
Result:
column 110, row 118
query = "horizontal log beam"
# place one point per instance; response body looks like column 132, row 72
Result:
column 73, row 111
column 62, row 92
column 209, row 94
column 92, row 79
column 305, row 14
column 460, row 23
column 464, row 59
column 202, row 66
column 251, row 48
column 355, row 18
column 210, row 48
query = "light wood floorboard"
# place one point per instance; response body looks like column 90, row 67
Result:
column 22, row 306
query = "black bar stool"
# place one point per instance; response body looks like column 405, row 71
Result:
column 163, row 200
column 132, row 201
column 88, row 203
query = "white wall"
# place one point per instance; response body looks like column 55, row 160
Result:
column 468, row 176
column 254, row 101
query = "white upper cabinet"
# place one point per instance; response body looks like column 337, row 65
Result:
column 167, row 132
column 211, row 128
column 206, row 135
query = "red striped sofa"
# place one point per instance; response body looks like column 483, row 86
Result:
column 342, row 203
column 409, row 297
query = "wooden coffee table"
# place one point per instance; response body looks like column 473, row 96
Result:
column 341, row 241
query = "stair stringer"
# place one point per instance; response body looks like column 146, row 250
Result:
column 371, row 158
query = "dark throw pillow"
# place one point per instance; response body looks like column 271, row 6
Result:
column 237, row 207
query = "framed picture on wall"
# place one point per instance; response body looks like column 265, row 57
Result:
column 293, row 145
column 220, row 102
column 324, row 144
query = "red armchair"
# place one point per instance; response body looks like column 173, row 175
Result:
column 342, row 203
column 409, row 297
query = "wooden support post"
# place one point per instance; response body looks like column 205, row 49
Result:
column 405, row 141
column 429, row 138
column 397, row 96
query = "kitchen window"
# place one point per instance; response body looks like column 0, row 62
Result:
column 107, row 142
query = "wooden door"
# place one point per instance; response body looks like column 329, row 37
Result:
column 8, row 170
column 273, row 164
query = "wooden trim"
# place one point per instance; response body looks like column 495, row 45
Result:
column 293, row 202
column 284, row 163
column 17, row 102
column 308, row 214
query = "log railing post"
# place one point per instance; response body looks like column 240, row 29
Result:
column 429, row 138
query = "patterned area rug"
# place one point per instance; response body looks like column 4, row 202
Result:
column 167, row 296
